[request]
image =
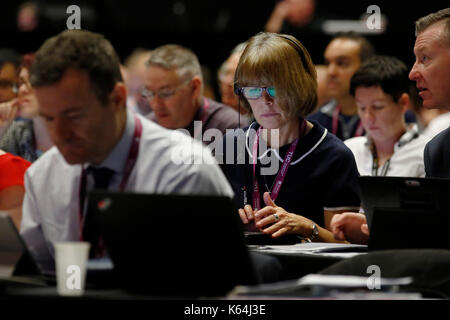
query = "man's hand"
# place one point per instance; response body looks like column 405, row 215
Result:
column 350, row 226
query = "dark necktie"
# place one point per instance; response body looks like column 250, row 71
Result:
column 91, row 228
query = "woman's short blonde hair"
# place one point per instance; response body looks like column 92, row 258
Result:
column 281, row 61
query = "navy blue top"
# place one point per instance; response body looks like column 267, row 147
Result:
column 325, row 178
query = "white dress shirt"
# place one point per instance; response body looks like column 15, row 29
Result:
column 168, row 162
column 437, row 125
column 407, row 160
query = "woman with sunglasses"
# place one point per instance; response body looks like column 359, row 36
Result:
column 289, row 175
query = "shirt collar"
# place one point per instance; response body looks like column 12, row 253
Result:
column 329, row 107
column 411, row 133
column 116, row 160
column 308, row 144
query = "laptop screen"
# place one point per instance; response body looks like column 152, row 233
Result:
column 172, row 244
column 405, row 212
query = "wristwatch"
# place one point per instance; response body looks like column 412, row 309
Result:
column 315, row 231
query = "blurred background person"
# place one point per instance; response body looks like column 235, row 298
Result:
column 322, row 91
column 297, row 13
column 390, row 147
column 225, row 79
column 9, row 70
column 134, row 67
column 27, row 16
column 174, row 89
column 343, row 56
column 27, row 135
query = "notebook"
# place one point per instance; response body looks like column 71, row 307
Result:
column 16, row 263
column 405, row 212
column 173, row 245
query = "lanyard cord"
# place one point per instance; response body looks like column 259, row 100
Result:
column 281, row 173
column 129, row 165
column 384, row 168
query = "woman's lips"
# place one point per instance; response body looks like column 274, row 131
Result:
column 270, row 114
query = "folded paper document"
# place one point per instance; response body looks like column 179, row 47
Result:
column 312, row 247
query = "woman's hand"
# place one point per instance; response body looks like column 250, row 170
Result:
column 276, row 221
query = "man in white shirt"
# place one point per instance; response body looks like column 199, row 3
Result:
column 82, row 98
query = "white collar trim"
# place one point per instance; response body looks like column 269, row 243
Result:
column 275, row 151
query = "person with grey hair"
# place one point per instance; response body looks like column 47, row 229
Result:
column 430, row 71
column 225, row 77
column 174, row 89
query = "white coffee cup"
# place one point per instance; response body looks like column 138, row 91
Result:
column 71, row 259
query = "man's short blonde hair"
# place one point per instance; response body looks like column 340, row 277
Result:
column 425, row 22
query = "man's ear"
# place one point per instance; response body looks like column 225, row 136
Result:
column 119, row 95
column 197, row 85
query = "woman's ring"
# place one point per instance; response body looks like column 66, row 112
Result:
column 276, row 217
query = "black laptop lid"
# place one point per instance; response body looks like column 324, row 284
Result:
column 404, row 212
column 14, row 254
column 173, row 245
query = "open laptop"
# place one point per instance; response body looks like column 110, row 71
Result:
column 406, row 213
column 16, row 262
column 173, row 245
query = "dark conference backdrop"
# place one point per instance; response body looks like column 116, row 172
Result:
column 210, row 28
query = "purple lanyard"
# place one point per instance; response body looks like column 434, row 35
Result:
column 129, row 165
column 281, row 174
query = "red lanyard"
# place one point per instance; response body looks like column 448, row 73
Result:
column 129, row 165
column 335, row 123
column 281, row 173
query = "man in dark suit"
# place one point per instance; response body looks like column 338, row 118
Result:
column 431, row 73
